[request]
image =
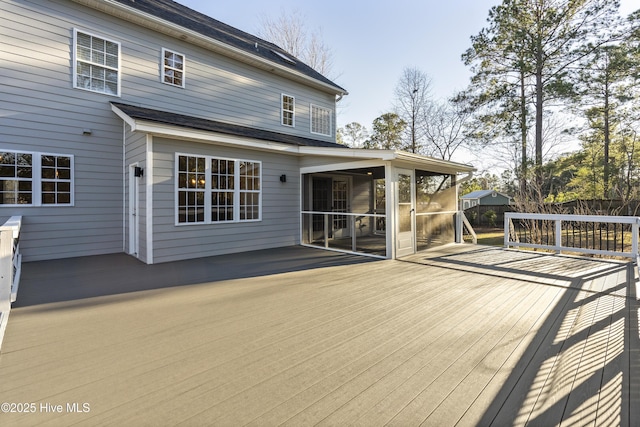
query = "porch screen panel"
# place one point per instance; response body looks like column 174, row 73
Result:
column 321, row 195
column 404, row 202
column 435, row 206
column 380, row 189
column 191, row 189
column 434, row 192
column 222, row 189
column 339, row 204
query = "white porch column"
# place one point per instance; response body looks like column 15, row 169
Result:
column 390, row 211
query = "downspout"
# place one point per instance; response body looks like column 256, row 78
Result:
column 464, row 179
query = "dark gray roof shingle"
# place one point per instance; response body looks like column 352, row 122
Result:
column 188, row 18
column 158, row 116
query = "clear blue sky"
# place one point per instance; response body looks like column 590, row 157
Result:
column 372, row 42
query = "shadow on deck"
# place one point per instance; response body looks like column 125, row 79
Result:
column 116, row 274
column 583, row 365
column 458, row 335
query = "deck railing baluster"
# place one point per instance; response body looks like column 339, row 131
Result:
column 593, row 234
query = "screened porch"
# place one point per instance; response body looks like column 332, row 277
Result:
column 380, row 211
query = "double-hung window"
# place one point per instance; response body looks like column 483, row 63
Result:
column 223, row 186
column 173, row 64
column 249, row 192
column 213, row 190
column 320, row 120
column 36, row 179
column 288, row 110
column 191, row 184
column 96, row 63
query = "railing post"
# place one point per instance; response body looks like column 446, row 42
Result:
column 326, row 230
column 6, row 278
column 634, row 239
column 558, row 235
column 634, row 243
column 507, row 220
column 352, row 225
column 6, row 269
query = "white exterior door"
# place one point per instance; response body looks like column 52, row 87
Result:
column 405, row 213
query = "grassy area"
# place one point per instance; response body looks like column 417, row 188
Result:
column 490, row 236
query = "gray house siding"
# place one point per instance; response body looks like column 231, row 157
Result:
column 41, row 111
column 280, row 224
column 216, row 88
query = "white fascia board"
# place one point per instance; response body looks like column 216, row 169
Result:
column 357, row 153
column 341, row 166
column 128, row 120
column 214, row 44
column 434, row 164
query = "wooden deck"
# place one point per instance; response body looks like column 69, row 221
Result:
column 464, row 335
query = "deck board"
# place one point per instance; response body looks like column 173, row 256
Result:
column 460, row 335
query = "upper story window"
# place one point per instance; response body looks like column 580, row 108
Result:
column 288, row 110
column 212, row 190
column 173, row 68
column 96, row 63
column 320, row 120
column 35, row 179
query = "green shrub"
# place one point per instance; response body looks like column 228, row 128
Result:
column 491, row 217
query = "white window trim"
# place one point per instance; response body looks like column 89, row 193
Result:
column 329, row 110
column 282, row 110
column 75, row 62
column 36, row 180
column 208, row 190
column 183, row 71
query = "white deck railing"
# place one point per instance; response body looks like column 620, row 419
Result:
column 590, row 234
column 466, row 229
column 10, row 268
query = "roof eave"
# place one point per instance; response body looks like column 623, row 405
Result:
column 173, row 131
column 436, row 165
column 136, row 16
column 433, row 163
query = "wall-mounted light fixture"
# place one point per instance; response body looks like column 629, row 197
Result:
column 138, row 172
column 283, row 178
column 86, row 131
